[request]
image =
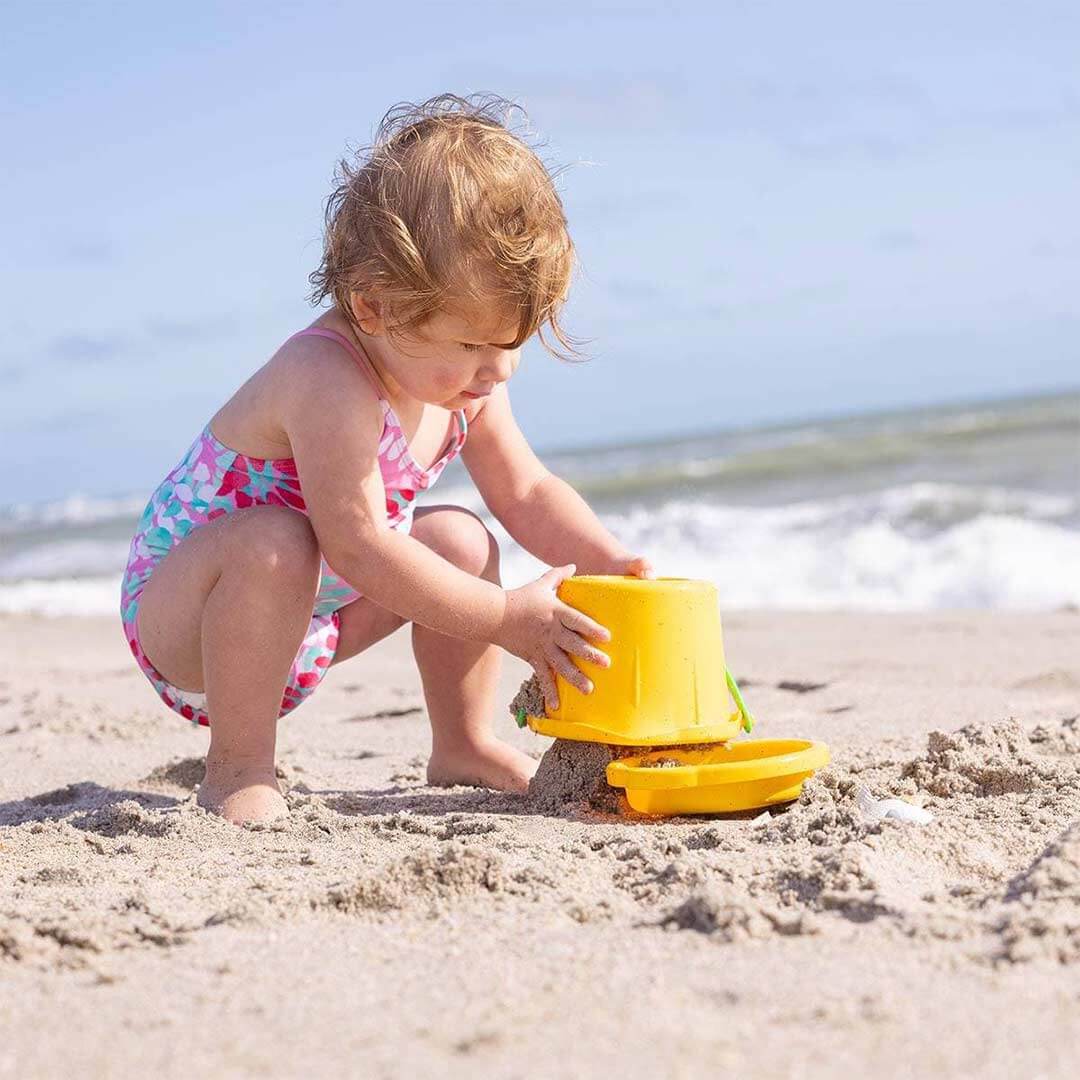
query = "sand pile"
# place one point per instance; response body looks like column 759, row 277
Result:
column 984, row 760
column 1041, row 917
column 529, row 699
column 573, row 775
column 184, row 774
column 730, row 914
column 443, row 878
column 1060, row 738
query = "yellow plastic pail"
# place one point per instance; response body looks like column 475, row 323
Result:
column 667, row 682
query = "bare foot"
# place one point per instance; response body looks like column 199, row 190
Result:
column 242, row 794
column 491, row 764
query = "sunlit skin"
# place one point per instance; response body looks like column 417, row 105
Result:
column 448, row 355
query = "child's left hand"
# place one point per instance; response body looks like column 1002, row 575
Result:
column 632, row 565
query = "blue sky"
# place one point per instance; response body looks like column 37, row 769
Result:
column 781, row 209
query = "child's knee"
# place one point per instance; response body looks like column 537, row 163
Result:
column 279, row 544
column 462, row 538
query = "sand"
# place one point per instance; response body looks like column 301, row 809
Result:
column 529, row 699
column 387, row 928
column 572, row 777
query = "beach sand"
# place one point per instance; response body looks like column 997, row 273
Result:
column 387, row 928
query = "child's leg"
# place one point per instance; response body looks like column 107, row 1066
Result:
column 461, row 677
column 225, row 612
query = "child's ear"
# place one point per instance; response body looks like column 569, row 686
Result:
column 367, row 313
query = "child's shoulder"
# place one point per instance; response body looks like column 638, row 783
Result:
column 312, row 380
column 309, row 385
column 323, row 365
column 317, row 344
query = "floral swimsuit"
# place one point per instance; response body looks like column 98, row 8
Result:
column 213, row 480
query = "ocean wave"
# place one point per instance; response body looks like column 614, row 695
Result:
column 68, row 596
column 908, row 547
column 803, row 557
column 74, row 510
column 61, row 558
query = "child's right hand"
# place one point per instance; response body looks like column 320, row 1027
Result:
column 543, row 630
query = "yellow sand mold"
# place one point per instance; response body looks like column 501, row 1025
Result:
column 667, row 682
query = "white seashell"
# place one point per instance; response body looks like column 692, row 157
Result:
column 877, row 809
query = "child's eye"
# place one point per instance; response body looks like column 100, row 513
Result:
column 468, row 346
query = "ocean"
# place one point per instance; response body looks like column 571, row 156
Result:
column 972, row 506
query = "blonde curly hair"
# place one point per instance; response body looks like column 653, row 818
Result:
column 448, row 208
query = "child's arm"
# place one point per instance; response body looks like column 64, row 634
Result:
column 333, row 422
column 540, row 510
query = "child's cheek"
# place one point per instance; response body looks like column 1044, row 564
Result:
column 453, row 381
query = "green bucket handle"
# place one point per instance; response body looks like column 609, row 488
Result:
column 744, row 713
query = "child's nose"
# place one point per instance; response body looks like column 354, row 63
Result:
column 499, row 368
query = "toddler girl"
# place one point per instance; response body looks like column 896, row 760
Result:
column 286, row 539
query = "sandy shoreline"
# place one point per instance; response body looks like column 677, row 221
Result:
column 388, row 928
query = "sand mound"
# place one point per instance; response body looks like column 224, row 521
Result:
column 184, row 773
column 529, row 697
column 826, row 813
column 442, row 878
column 574, row 773
column 728, row 915
column 122, row 818
column 1042, row 910
column 1061, row 738
column 983, row 760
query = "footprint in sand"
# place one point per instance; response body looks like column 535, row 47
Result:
column 1050, row 680
column 385, row 714
column 795, row 687
column 186, row 773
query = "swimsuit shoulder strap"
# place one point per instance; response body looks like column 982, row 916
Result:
column 362, row 361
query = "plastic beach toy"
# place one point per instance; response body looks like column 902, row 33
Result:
column 718, row 779
column 668, row 686
column 667, row 683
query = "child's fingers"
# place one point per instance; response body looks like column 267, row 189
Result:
column 547, row 683
column 568, row 670
column 571, row 642
column 573, row 619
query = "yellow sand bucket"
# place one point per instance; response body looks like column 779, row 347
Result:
column 667, row 682
column 718, row 779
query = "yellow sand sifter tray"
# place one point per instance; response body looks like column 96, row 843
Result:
column 718, row 779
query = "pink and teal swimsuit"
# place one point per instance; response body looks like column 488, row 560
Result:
column 212, row 480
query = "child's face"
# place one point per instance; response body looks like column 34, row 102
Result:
column 452, row 359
